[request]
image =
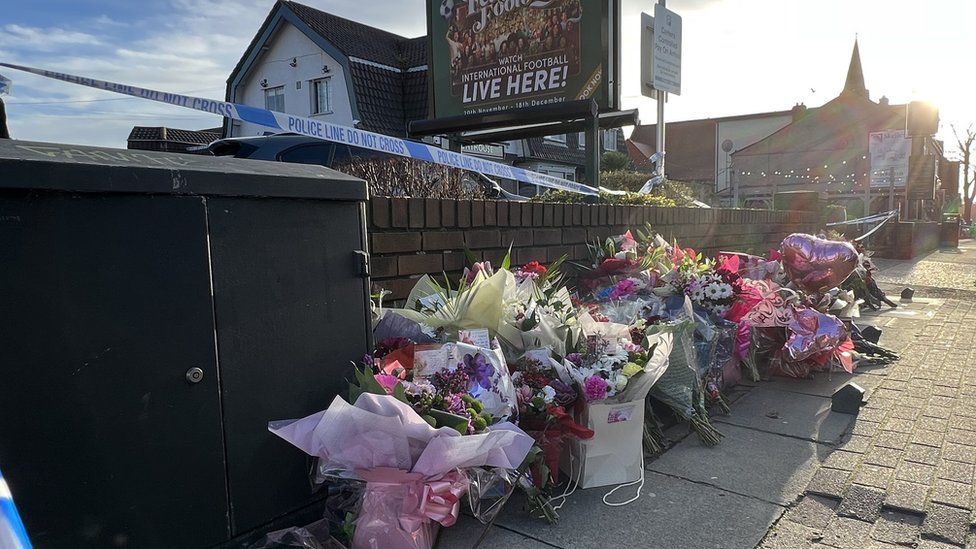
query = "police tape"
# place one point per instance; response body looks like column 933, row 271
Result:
column 12, row 532
column 326, row 131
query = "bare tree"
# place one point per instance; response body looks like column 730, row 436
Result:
column 966, row 141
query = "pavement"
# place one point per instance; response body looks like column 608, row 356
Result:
column 790, row 473
column 903, row 475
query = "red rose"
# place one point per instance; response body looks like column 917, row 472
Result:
column 535, row 267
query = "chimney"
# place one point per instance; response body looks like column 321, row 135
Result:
column 798, row 111
column 883, row 101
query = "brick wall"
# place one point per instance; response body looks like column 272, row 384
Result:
column 411, row 237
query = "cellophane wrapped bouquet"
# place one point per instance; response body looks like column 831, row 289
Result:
column 502, row 333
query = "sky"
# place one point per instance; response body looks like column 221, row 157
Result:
column 739, row 56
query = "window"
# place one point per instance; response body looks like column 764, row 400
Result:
column 581, row 140
column 274, row 99
column 322, row 96
column 610, row 140
column 315, row 153
column 561, row 139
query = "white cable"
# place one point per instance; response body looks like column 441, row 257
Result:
column 639, row 482
column 573, row 482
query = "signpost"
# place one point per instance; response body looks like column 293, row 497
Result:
column 890, row 151
column 667, row 50
column 660, row 66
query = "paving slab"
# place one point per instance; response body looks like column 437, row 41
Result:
column 812, row 511
column 846, row 533
column 947, row 524
column 823, row 384
column 862, row 503
column 897, row 528
column 792, row 414
column 790, row 535
column 767, row 466
column 467, row 530
column 829, row 482
column 670, row 513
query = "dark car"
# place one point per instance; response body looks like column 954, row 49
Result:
column 300, row 149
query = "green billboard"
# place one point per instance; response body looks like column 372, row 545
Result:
column 494, row 55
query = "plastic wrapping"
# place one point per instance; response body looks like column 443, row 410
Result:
column 404, row 510
column 333, row 531
column 491, row 382
column 313, row 536
column 392, row 325
column 677, row 386
column 411, row 469
column 680, row 388
column 715, row 353
column 488, row 491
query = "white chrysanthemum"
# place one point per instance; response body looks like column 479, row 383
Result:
column 720, row 309
column 611, row 359
column 712, row 291
column 621, row 382
column 724, row 290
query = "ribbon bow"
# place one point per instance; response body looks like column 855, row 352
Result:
column 421, row 499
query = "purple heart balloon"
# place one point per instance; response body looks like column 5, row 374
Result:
column 815, row 264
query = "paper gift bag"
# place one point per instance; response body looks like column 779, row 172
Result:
column 614, row 454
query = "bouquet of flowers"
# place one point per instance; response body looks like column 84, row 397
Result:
column 613, row 375
column 538, row 311
column 414, row 473
column 546, row 400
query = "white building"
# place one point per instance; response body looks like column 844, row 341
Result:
column 311, row 63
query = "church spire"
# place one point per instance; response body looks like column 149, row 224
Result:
column 855, row 76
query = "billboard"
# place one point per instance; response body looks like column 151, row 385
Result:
column 494, row 55
column 889, row 151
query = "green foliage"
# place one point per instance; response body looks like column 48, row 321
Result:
column 953, row 206
column 614, row 161
column 972, row 231
column 833, row 212
column 365, row 383
column 623, row 180
column 855, row 209
column 629, row 199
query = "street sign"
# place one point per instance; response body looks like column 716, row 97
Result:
column 484, row 149
column 667, row 50
column 889, row 152
column 646, row 59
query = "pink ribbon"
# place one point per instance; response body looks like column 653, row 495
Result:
column 437, row 499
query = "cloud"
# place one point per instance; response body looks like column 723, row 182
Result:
column 44, row 39
column 188, row 46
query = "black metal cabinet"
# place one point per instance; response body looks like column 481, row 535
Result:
column 160, row 309
column 290, row 317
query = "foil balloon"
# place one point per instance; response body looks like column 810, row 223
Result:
column 815, row 264
column 814, row 332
